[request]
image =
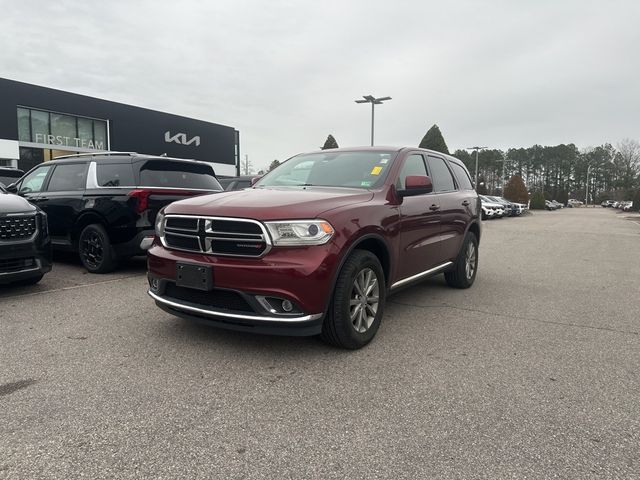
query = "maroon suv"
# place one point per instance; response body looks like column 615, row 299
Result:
column 317, row 244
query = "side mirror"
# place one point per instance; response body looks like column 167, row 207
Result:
column 416, row 185
column 13, row 188
column 254, row 180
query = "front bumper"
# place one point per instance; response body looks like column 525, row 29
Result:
column 22, row 260
column 303, row 276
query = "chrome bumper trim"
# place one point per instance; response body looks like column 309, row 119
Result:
column 235, row 316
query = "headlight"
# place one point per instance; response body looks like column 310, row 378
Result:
column 160, row 224
column 300, row 232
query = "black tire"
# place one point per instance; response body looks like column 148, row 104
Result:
column 31, row 280
column 349, row 328
column 95, row 250
column 460, row 276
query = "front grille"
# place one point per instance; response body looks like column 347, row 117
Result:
column 216, row 235
column 18, row 227
column 223, row 299
column 17, row 264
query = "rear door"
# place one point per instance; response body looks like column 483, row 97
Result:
column 419, row 223
column 454, row 206
column 63, row 199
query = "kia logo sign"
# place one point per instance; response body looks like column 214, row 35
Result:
column 181, row 139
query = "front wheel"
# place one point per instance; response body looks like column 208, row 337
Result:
column 465, row 269
column 358, row 302
column 96, row 252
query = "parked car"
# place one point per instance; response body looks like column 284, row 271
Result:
column 491, row 209
column 557, row 204
column 549, row 205
column 8, row 175
column 318, row 243
column 25, row 245
column 608, row 203
column 511, row 209
column 628, row 206
column 104, row 206
column 572, row 203
column 236, row 183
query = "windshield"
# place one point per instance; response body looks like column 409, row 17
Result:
column 332, row 169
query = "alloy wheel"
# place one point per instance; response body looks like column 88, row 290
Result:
column 470, row 260
column 364, row 298
column 92, row 249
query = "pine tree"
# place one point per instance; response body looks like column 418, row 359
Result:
column 330, row 143
column 433, row 140
column 515, row 190
column 274, row 164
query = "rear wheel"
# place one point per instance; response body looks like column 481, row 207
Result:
column 464, row 271
column 358, row 302
column 96, row 252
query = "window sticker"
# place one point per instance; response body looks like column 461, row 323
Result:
column 365, row 183
column 376, row 170
column 384, row 161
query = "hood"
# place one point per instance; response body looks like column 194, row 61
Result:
column 10, row 203
column 271, row 203
column 492, row 204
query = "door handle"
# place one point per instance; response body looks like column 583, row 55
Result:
column 465, row 203
column 434, row 207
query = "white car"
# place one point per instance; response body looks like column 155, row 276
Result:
column 491, row 209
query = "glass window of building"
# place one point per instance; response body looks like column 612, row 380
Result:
column 100, row 134
column 39, row 126
column 85, row 129
column 24, row 125
column 63, row 126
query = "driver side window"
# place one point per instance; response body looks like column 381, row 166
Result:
column 32, row 183
column 413, row 165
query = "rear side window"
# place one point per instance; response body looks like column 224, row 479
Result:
column 115, row 175
column 463, row 177
column 441, row 175
column 168, row 173
column 67, row 177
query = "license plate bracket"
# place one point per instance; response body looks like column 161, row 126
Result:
column 198, row 277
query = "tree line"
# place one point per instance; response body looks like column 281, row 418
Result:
column 558, row 172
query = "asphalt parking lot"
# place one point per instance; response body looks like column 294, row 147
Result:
column 532, row 373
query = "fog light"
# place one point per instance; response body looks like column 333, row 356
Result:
column 287, row 306
column 155, row 284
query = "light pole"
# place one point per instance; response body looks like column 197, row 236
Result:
column 504, row 161
column 373, row 101
column 586, row 188
column 476, row 149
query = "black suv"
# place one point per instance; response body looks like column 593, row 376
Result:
column 9, row 175
column 104, row 205
column 25, row 245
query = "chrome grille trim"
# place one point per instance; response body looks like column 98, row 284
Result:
column 206, row 235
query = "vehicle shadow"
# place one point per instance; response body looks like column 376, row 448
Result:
column 130, row 265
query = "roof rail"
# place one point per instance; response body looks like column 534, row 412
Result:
column 76, row 155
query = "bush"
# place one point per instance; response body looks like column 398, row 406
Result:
column 537, row 201
column 636, row 201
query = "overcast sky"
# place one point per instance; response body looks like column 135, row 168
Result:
column 286, row 73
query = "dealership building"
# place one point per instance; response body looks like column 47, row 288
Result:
column 38, row 124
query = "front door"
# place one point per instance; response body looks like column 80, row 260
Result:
column 62, row 199
column 419, row 224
